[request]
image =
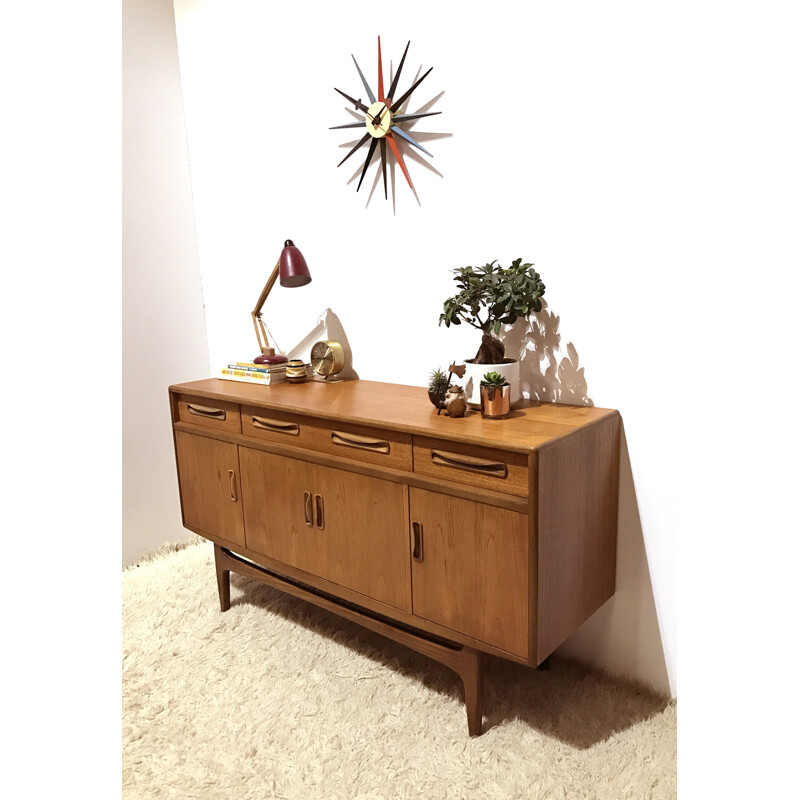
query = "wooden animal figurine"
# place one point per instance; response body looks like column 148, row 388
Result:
column 455, row 402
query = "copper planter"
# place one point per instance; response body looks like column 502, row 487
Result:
column 495, row 401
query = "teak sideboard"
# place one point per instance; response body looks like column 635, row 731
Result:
column 454, row 536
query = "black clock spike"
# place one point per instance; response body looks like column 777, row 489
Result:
column 363, row 141
column 397, row 74
column 405, row 97
column 383, row 168
column 408, row 117
column 366, row 163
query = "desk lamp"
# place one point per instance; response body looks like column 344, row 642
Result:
column 293, row 271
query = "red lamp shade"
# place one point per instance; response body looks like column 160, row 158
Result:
column 294, row 270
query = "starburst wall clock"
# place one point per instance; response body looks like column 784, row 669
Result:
column 382, row 120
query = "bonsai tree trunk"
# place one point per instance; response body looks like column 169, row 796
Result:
column 491, row 351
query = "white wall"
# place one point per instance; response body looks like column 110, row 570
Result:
column 553, row 145
column 164, row 336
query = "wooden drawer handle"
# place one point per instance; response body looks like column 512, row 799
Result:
column 361, row 442
column 206, row 411
column 497, row 469
column 416, row 529
column 232, row 479
column 319, row 509
column 307, row 510
column 276, row 426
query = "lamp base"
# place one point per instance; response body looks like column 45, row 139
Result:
column 273, row 358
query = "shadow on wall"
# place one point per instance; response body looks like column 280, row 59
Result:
column 536, row 344
column 624, row 635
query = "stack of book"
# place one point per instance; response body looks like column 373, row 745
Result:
column 249, row 372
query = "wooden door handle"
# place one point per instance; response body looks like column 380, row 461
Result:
column 361, row 442
column 319, row 509
column 276, row 426
column 232, row 479
column 416, row 530
column 206, row 411
column 469, row 463
column 307, row 510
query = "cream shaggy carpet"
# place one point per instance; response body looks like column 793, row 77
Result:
column 278, row 699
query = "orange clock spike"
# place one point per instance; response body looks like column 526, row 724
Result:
column 399, row 158
column 381, row 97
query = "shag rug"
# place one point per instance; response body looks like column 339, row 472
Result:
column 276, row 698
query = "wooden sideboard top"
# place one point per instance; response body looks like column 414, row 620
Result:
column 531, row 425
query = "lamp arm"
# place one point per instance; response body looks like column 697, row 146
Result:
column 258, row 324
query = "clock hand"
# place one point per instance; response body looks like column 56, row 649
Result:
column 405, row 97
column 376, row 121
column 357, row 103
column 361, row 107
column 363, row 80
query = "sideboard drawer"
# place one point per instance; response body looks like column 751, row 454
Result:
column 359, row 442
column 274, row 426
column 500, row 470
column 214, row 414
column 387, row 448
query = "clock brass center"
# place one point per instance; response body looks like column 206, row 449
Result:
column 379, row 119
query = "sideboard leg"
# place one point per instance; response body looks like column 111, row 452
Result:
column 223, row 579
column 472, row 674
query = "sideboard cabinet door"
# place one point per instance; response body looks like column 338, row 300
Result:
column 208, row 474
column 341, row 526
column 470, row 568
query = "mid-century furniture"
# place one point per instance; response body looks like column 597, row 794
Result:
column 293, row 271
column 455, row 537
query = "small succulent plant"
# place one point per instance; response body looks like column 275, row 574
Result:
column 494, row 379
column 437, row 381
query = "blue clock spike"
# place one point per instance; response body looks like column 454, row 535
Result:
column 409, row 139
column 363, row 80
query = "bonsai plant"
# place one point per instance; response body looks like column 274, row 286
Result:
column 438, row 381
column 492, row 296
